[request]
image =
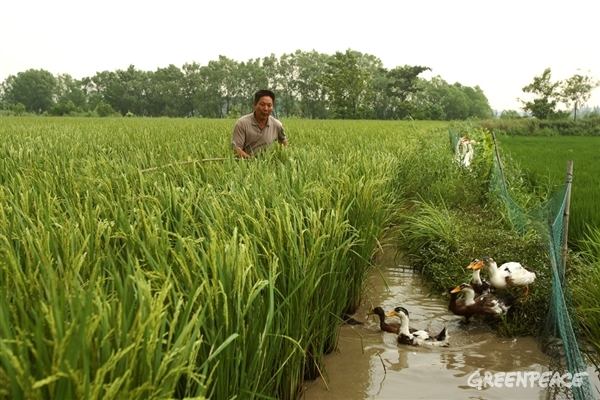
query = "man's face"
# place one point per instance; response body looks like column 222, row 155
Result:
column 264, row 107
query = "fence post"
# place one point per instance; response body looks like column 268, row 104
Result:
column 565, row 245
column 499, row 162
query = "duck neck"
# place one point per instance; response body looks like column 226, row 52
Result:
column 477, row 277
column 492, row 268
column 404, row 325
column 469, row 296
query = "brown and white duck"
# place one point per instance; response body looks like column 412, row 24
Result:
column 417, row 337
column 386, row 325
column 469, row 305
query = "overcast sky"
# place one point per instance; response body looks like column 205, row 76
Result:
column 498, row 45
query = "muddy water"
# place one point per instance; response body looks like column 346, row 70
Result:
column 368, row 363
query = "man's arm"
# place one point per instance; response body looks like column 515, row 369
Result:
column 238, row 138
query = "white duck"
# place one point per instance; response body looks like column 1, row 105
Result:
column 417, row 337
column 508, row 274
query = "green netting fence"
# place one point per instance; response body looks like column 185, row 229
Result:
column 549, row 221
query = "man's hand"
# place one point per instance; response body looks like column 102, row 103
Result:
column 241, row 153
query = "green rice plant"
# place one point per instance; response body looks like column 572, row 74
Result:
column 198, row 279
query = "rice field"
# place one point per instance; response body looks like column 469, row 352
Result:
column 544, row 161
column 127, row 270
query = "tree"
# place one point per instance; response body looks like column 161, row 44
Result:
column 544, row 106
column 164, row 92
column 577, row 90
column 308, row 81
column 33, row 88
column 348, row 80
column 191, row 88
column 402, row 85
column 125, row 90
column 104, row 109
column 479, row 107
column 69, row 96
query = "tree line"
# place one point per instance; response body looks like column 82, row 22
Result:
column 348, row 85
column 572, row 92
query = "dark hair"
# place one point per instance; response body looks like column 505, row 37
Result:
column 263, row 93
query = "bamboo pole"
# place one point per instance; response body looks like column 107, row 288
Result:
column 565, row 245
column 499, row 161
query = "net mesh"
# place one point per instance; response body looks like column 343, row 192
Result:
column 549, row 222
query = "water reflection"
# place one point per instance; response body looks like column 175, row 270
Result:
column 370, row 365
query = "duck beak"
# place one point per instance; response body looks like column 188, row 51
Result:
column 475, row 265
column 391, row 313
column 455, row 290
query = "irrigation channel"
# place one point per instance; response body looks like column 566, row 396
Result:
column 368, row 364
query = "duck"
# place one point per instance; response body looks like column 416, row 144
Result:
column 469, row 305
column 508, row 274
column 481, row 286
column 417, row 337
column 386, row 326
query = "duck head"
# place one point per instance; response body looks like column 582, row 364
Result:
column 489, row 262
column 476, row 264
column 461, row 287
column 378, row 311
column 397, row 312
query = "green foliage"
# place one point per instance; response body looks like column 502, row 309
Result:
column 32, row 88
column 576, row 90
column 439, row 100
column 544, row 105
column 104, row 109
column 64, row 107
column 510, row 114
column 573, row 92
column 350, row 85
column 18, row 109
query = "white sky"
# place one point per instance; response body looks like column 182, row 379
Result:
column 498, row 45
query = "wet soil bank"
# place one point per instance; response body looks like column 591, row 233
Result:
column 368, row 364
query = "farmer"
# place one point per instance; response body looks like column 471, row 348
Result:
column 257, row 131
